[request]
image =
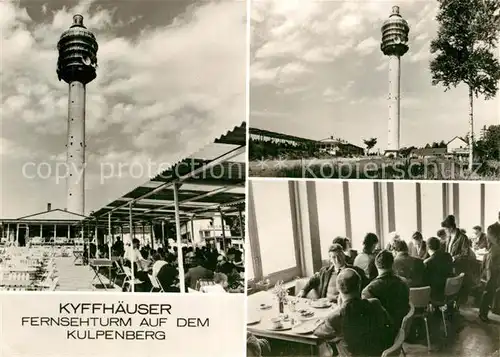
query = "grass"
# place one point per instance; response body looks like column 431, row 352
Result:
column 378, row 168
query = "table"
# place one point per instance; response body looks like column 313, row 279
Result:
column 95, row 264
column 261, row 329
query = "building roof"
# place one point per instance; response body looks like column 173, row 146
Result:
column 429, row 151
column 50, row 216
column 210, row 180
column 458, row 137
column 272, row 134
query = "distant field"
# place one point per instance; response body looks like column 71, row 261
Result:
column 374, row 168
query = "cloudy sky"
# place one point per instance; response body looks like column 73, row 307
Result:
column 171, row 77
column 317, row 71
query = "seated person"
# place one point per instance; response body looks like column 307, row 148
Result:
column 220, row 285
column 256, row 346
column 479, row 239
column 366, row 260
column 197, row 272
column 140, row 266
column 417, row 247
column 408, row 267
column 157, row 265
column 358, row 327
column 390, row 289
column 168, row 277
column 346, row 246
column 393, row 236
column 324, row 281
column 438, row 268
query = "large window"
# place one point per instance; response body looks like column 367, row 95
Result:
column 432, row 208
column 362, row 204
column 331, row 215
column 274, row 225
column 492, row 205
column 469, row 205
column 405, row 209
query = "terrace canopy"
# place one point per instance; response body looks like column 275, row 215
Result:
column 209, row 182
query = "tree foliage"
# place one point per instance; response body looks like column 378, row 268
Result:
column 465, row 46
column 488, row 148
column 370, row 143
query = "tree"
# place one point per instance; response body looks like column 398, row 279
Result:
column 370, row 144
column 464, row 50
column 435, row 145
column 442, row 144
column 491, row 142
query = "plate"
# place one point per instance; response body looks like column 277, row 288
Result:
column 321, row 305
column 307, row 327
column 285, row 327
column 254, row 320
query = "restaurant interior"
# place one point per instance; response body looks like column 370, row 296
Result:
column 291, row 237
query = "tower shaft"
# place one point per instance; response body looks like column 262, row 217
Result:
column 75, row 160
column 393, row 138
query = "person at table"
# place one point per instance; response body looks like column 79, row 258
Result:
column 324, row 281
column 366, row 259
column 345, row 243
column 220, row 284
column 196, row 273
column 139, row 264
column 479, row 239
column 117, row 248
column 438, row 268
column 393, row 236
column 458, row 243
column 443, row 238
column 406, row 266
column 168, row 276
column 257, row 346
column 491, row 271
column 417, row 247
column 357, row 327
column 390, row 289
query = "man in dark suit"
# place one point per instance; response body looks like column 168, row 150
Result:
column 458, row 244
column 417, row 247
column 438, row 268
column 324, row 281
column 408, row 267
column 390, row 289
column 358, row 327
column 491, row 271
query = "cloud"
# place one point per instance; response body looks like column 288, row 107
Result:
column 367, row 46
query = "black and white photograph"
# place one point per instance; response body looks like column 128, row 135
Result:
column 123, row 146
column 373, row 268
column 375, row 89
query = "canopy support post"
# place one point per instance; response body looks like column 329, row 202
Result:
column 180, row 258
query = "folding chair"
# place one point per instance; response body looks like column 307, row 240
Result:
column 118, row 271
column 156, row 284
column 128, row 279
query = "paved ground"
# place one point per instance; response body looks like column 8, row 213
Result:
column 77, row 277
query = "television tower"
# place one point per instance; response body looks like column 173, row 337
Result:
column 394, row 44
column 76, row 66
